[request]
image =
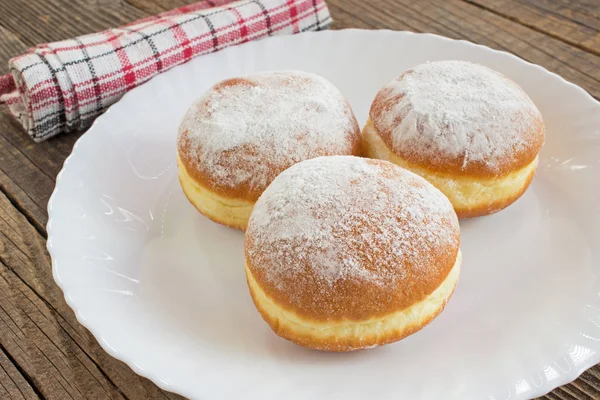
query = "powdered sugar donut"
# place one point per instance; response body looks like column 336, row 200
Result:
column 243, row 132
column 469, row 130
column 344, row 253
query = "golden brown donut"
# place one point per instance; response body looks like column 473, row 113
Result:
column 237, row 137
column 470, row 131
column 345, row 253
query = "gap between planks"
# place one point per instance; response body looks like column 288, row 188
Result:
column 15, row 379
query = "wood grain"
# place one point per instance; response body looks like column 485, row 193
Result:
column 44, row 351
column 10, row 46
column 153, row 7
column 13, row 385
column 42, row 21
column 28, row 170
column 48, row 157
column 550, row 18
column 26, row 185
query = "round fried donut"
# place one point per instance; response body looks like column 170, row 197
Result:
column 470, row 131
column 237, row 137
column 345, row 253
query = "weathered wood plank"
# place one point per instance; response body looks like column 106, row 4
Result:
column 394, row 16
column 25, row 185
column 13, row 385
column 24, row 251
column 28, row 170
column 47, row 156
column 10, row 46
column 591, row 380
column 551, row 396
column 570, row 392
column 343, row 19
column 25, row 204
column 154, row 7
column 547, row 17
column 42, row 21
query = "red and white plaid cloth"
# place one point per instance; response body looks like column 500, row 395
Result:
column 63, row 86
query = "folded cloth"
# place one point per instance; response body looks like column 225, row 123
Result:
column 63, row 86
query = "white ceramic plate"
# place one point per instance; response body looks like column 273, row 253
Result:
column 163, row 288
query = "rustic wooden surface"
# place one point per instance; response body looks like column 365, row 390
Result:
column 44, row 352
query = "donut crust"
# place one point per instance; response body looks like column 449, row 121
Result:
column 242, row 158
column 315, row 250
column 471, row 195
column 533, row 140
column 224, row 179
column 363, row 300
column 351, row 335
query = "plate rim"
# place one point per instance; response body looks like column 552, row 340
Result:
column 562, row 378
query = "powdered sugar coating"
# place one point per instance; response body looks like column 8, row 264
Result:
column 333, row 221
column 244, row 131
column 457, row 113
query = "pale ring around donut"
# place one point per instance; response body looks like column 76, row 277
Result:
column 348, row 335
column 227, row 211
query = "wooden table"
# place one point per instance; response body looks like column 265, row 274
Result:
column 44, row 352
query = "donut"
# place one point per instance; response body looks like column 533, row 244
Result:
column 470, row 131
column 345, row 253
column 237, row 137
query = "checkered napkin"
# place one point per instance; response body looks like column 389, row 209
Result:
column 63, row 86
